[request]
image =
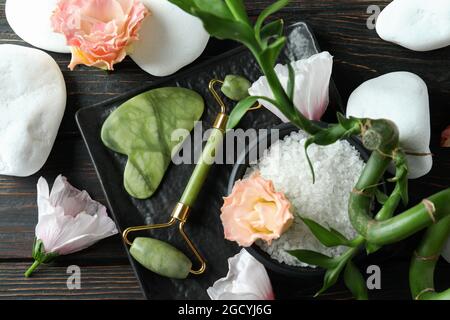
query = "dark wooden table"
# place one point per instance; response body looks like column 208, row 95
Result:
column 340, row 27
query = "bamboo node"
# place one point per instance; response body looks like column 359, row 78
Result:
column 426, row 290
column 434, row 257
column 431, row 209
column 386, row 155
column 361, row 193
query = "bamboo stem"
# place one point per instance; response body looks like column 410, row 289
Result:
column 401, row 226
column 423, row 263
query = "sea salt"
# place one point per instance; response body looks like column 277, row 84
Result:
column 337, row 168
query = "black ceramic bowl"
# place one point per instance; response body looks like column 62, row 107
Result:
column 238, row 172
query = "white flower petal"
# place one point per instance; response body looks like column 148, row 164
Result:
column 43, row 195
column 247, row 279
column 84, row 231
column 312, row 82
column 72, row 200
column 311, row 91
column 69, row 220
column 49, row 229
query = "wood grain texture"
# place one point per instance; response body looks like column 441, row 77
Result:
column 97, row 282
column 340, row 27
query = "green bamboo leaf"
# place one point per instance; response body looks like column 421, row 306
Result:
column 274, row 7
column 350, row 124
column 291, row 82
column 273, row 50
column 217, row 8
column 313, row 258
column 329, row 135
column 329, row 238
column 324, row 137
column 222, row 28
column 271, row 30
column 237, row 8
column 185, row 5
column 241, row 109
column 309, row 142
column 380, row 196
column 401, row 175
column 403, row 184
column 332, row 275
column 355, row 282
column 372, row 248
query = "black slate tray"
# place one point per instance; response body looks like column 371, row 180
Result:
column 204, row 226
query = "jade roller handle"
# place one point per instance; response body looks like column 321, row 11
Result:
column 204, row 164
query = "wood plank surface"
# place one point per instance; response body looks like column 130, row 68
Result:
column 97, row 282
column 340, row 27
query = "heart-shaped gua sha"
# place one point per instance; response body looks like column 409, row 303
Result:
column 169, row 39
column 32, row 104
column 30, row 20
column 148, row 128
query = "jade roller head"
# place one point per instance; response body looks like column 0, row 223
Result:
column 159, row 256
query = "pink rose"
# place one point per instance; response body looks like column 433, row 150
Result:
column 99, row 32
column 254, row 210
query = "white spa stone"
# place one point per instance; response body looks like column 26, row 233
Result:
column 419, row 25
column 30, row 20
column 403, row 98
column 32, row 104
column 169, row 39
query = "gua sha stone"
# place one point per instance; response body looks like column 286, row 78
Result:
column 420, row 25
column 403, row 98
column 32, row 105
column 30, row 20
column 169, row 39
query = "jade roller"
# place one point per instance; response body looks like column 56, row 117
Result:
column 159, row 256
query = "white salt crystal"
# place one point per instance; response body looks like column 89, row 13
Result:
column 337, row 168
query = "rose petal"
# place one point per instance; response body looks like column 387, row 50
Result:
column 99, row 32
column 254, row 210
column 247, row 279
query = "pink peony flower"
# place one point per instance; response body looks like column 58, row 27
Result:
column 254, row 210
column 247, row 279
column 311, row 90
column 99, row 32
column 69, row 221
column 445, row 138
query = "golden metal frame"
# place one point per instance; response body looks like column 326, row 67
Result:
column 179, row 214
